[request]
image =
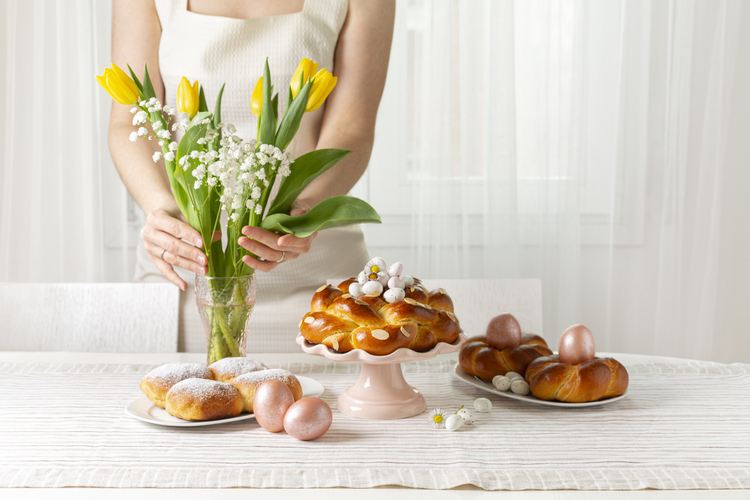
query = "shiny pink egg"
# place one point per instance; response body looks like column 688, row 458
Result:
column 504, row 331
column 271, row 401
column 308, row 418
column 576, row 345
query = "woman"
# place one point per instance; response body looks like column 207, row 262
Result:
column 228, row 41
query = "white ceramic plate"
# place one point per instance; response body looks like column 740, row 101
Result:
column 487, row 386
column 143, row 409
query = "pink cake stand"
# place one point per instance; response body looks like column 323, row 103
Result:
column 381, row 393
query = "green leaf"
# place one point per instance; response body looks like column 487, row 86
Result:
column 292, row 118
column 275, row 104
column 148, row 88
column 289, row 98
column 136, row 80
column 202, row 105
column 333, row 212
column 304, row 170
column 217, row 108
column 268, row 118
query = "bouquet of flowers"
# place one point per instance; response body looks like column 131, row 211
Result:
column 212, row 170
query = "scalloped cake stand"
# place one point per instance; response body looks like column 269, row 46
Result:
column 381, row 393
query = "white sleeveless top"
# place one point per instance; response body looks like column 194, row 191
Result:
column 217, row 50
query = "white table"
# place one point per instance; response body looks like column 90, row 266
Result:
column 396, row 493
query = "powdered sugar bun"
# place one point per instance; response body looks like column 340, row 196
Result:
column 158, row 381
column 201, row 399
column 248, row 383
column 226, row 369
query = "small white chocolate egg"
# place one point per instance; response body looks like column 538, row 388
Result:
column 308, row 418
column 504, row 331
column 467, row 415
column 396, row 282
column 355, row 289
column 271, row 401
column 520, row 386
column 454, row 422
column 482, row 405
column 394, row 295
column 372, row 287
column 395, row 270
column 383, row 278
column 362, row 278
column 576, row 345
column 408, row 280
column 501, row 382
column 514, row 375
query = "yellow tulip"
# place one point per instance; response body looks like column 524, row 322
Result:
column 119, row 85
column 322, row 86
column 256, row 101
column 188, row 97
column 304, row 72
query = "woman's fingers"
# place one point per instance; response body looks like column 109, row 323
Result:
column 191, row 257
column 264, row 251
column 168, row 272
column 287, row 242
column 163, row 221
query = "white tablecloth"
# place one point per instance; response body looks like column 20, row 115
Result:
column 682, row 426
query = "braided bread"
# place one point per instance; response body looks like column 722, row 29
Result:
column 600, row 378
column 480, row 359
column 343, row 322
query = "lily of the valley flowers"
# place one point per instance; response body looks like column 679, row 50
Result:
column 119, row 85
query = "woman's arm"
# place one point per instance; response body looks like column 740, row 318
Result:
column 360, row 64
column 135, row 40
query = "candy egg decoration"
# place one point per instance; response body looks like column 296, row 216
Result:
column 467, row 415
column 355, row 289
column 501, row 382
column 394, row 295
column 576, row 345
column 504, row 331
column 308, row 418
column 482, row 405
column 454, row 422
column 372, row 288
column 271, row 401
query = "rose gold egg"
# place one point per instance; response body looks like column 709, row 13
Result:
column 270, row 403
column 504, row 331
column 308, row 418
column 576, row 345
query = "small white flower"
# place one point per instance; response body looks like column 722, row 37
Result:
column 285, row 171
column 156, row 156
column 164, row 134
column 162, row 143
column 133, row 136
column 142, row 131
column 134, row 109
column 197, row 184
column 255, row 194
column 437, row 418
column 258, row 209
column 250, row 204
column 156, row 125
column 235, row 216
column 140, row 117
column 201, row 141
column 194, row 154
column 173, row 146
column 169, row 156
column 231, row 129
column 211, row 181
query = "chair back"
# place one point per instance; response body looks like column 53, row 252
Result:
column 91, row 317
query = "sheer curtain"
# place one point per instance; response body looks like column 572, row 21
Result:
column 580, row 142
column 64, row 213
column 599, row 145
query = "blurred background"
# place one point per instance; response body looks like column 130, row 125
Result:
column 599, row 145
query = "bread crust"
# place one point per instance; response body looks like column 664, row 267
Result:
column 343, row 322
column 248, row 383
column 601, row 378
column 157, row 383
column 201, row 399
column 480, row 359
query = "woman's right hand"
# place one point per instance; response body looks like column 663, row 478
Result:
column 162, row 238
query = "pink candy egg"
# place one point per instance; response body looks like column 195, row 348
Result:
column 270, row 403
column 308, row 418
column 504, row 331
column 576, row 345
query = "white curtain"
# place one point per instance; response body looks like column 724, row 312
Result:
column 64, row 213
column 598, row 145
column 580, row 142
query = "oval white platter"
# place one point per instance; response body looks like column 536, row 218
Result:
column 529, row 398
column 143, row 409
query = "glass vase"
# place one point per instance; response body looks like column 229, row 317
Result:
column 225, row 306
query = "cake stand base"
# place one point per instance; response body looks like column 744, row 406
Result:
column 381, row 393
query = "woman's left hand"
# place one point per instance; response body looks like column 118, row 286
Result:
column 271, row 247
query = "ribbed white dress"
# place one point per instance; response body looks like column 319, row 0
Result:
column 217, row 50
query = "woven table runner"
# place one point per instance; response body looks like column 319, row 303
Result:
column 683, row 426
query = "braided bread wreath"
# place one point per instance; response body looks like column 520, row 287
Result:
column 343, row 322
column 480, row 359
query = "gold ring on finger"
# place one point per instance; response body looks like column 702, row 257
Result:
column 282, row 257
column 162, row 254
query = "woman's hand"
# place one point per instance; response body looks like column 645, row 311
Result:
column 162, row 238
column 271, row 247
